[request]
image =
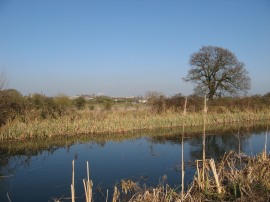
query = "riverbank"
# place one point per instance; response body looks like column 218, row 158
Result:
column 236, row 177
column 116, row 122
column 36, row 145
column 53, row 161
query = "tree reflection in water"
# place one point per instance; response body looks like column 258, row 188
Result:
column 130, row 151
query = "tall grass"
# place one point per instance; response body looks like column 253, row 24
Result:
column 224, row 181
column 93, row 122
column 236, row 177
column 35, row 145
column 88, row 185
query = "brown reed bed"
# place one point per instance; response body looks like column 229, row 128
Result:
column 236, row 177
column 227, row 181
column 113, row 122
column 35, row 145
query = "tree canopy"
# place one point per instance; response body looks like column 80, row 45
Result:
column 217, row 72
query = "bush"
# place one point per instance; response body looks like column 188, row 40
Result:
column 11, row 104
column 44, row 107
column 63, row 102
column 91, row 107
column 176, row 103
column 107, row 105
column 79, row 103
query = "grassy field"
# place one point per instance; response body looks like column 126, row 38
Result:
column 95, row 122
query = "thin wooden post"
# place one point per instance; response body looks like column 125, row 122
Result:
column 265, row 145
column 205, row 105
column 239, row 146
column 88, row 185
column 183, row 166
column 203, row 144
column 185, row 106
column 72, row 185
column 213, row 167
column 199, row 174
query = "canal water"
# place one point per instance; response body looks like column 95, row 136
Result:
column 41, row 170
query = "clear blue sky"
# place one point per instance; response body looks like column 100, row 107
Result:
column 126, row 47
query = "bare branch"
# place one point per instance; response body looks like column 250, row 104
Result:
column 217, row 71
column 3, row 80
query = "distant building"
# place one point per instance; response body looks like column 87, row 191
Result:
column 142, row 101
column 86, row 96
column 100, row 94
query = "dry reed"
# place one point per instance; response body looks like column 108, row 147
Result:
column 116, row 194
column 226, row 181
column 72, row 183
column 88, row 185
column 88, row 122
column 229, row 181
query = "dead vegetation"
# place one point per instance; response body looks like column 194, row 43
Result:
column 229, row 180
column 236, row 177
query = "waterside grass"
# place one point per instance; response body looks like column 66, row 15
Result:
column 115, row 122
column 35, row 145
column 228, row 181
column 236, row 177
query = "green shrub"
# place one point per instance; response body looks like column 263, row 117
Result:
column 91, row 107
column 63, row 102
column 11, row 104
column 79, row 103
column 43, row 107
column 107, row 105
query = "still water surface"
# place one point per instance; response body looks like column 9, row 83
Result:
column 45, row 174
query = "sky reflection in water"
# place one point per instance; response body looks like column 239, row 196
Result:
column 47, row 174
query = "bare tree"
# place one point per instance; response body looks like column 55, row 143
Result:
column 3, row 80
column 217, row 72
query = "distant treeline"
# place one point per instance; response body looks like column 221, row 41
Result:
column 195, row 103
column 13, row 105
column 38, row 106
